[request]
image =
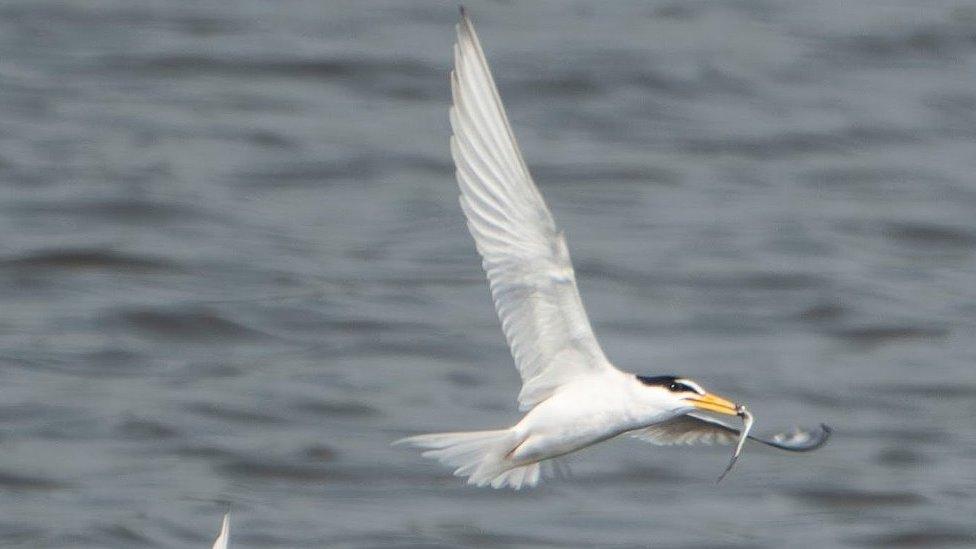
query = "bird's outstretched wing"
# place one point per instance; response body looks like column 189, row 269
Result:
column 524, row 255
column 695, row 429
column 224, row 537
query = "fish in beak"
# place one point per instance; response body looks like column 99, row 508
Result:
column 719, row 405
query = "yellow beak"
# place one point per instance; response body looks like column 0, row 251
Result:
column 715, row 404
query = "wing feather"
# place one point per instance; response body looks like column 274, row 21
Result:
column 224, row 537
column 695, row 429
column 529, row 270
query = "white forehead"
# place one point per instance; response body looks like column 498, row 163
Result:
column 696, row 387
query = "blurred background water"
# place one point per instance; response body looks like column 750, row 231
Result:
column 233, row 268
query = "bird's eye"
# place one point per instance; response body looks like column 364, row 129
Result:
column 675, row 387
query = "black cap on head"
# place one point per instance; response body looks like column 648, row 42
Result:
column 663, row 381
column 672, row 383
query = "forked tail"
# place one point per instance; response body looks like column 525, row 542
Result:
column 481, row 456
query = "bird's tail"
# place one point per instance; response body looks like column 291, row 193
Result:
column 481, row 456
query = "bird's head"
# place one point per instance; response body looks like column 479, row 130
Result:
column 682, row 392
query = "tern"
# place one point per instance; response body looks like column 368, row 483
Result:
column 572, row 395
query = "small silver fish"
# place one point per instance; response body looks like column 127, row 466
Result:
column 743, row 435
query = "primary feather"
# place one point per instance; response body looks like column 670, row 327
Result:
column 224, row 538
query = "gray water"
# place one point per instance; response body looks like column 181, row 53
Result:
column 233, row 268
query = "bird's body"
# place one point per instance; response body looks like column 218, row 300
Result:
column 585, row 412
column 574, row 397
column 581, row 414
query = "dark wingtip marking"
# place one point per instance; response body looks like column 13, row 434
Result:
column 828, row 431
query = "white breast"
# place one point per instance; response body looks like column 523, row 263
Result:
column 585, row 412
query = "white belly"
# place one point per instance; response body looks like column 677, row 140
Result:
column 577, row 416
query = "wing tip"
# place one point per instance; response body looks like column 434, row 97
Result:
column 223, row 535
column 819, row 440
column 827, row 432
column 465, row 28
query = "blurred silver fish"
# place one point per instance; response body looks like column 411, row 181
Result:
column 743, row 436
